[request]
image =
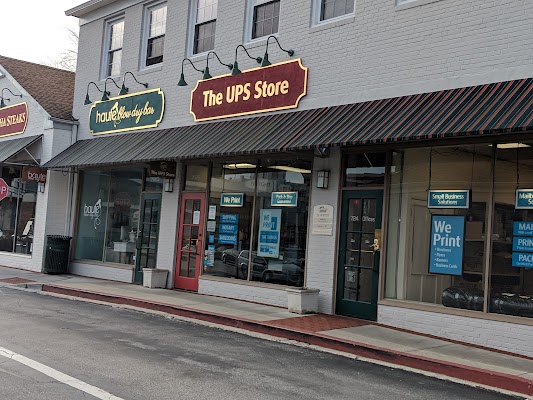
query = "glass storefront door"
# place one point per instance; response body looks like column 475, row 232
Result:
column 148, row 234
column 360, row 241
column 189, row 258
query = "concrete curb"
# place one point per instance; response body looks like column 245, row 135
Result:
column 458, row 371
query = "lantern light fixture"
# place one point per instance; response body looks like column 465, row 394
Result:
column 265, row 62
column 2, row 97
column 124, row 89
column 182, row 81
column 235, row 70
column 87, row 99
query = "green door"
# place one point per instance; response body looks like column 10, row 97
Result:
column 148, row 234
column 360, row 241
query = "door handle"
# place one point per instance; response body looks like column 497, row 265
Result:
column 376, row 246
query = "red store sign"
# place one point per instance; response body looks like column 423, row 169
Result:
column 13, row 119
column 276, row 87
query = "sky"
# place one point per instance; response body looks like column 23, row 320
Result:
column 36, row 30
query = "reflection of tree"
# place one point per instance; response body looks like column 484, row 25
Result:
column 67, row 58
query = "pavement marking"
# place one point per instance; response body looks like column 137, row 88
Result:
column 59, row 376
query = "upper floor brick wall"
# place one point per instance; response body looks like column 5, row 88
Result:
column 383, row 51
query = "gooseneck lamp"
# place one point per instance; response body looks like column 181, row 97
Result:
column 265, row 62
column 2, row 97
column 106, row 94
column 235, row 70
column 207, row 75
column 182, row 76
column 87, row 99
column 124, row 90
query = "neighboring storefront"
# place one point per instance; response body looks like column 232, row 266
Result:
column 35, row 125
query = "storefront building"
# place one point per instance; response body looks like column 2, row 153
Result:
column 35, row 125
column 356, row 160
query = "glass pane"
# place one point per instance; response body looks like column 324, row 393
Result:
column 192, row 265
column 351, row 282
column 367, row 252
column 187, row 218
column 185, row 244
column 27, row 200
column 365, row 169
column 184, row 265
column 354, row 215
column 369, row 215
column 196, row 177
column 365, row 285
column 353, row 246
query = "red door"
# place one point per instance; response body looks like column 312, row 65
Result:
column 190, row 244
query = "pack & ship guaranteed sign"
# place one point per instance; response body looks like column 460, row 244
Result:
column 127, row 113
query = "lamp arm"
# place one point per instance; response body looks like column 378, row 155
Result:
column 95, row 85
column 9, row 90
column 258, row 59
column 290, row 52
column 230, row 66
column 135, row 79
column 105, row 84
column 190, row 62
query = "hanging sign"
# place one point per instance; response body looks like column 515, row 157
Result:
column 284, row 199
column 34, row 174
column 13, row 119
column 162, row 169
column 229, row 219
column 269, row 233
column 524, row 199
column 232, row 199
column 127, row 113
column 449, row 199
column 228, row 228
column 446, row 246
column 276, row 87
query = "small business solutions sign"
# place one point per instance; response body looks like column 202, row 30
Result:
column 449, row 199
column 275, row 87
column 127, row 113
column 13, row 119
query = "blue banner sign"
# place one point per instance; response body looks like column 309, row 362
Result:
column 269, row 233
column 524, row 199
column 446, row 247
column 229, row 219
column 449, row 199
column 232, row 199
column 284, row 199
column 523, row 244
column 227, row 239
column 228, row 228
column 524, row 260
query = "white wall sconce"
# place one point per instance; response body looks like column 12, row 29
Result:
column 322, row 181
column 40, row 186
column 168, row 185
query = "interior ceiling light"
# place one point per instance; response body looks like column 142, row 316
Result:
column 291, row 169
column 511, row 145
column 239, row 166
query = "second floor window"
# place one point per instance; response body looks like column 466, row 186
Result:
column 156, row 35
column 114, row 52
column 205, row 25
column 266, row 18
column 335, row 8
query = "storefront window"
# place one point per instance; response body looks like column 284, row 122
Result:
column 365, row 169
column 408, row 276
column 17, row 212
column 196, row 177
column 259, row 238
column 511, row 279
column 108, row 216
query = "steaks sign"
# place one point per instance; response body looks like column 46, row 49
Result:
column 13, row 119
column 275, row 87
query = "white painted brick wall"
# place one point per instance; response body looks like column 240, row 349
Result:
column 272, row 296
column 506, row 336
column 101, row 272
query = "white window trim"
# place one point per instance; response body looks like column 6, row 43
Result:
column 315, row 14
column 107, row 43
column 146, row 32
column 404, row 4
column 249, row 21
column 192, row 29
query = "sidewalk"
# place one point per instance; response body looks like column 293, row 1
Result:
column 362, row 338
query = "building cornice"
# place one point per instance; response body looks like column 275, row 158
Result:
column 87, row 7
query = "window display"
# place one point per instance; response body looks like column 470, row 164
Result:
column 257, row 221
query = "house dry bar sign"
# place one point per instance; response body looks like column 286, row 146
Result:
column 13, row 119
column 276, row 87
column 127, row 113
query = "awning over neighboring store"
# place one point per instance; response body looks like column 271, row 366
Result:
column 494, row 108
column 10, row 148
column 503, row 107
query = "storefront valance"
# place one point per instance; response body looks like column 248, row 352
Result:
column 502, row 107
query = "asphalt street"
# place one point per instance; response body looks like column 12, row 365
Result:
column 137, row 355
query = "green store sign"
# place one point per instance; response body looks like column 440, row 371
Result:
column 127, row 113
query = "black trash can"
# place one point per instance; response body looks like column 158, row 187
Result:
column 56, row 256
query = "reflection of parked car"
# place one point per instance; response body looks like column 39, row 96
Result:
column 240, row 260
